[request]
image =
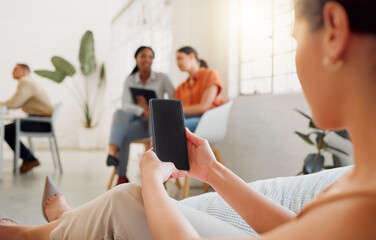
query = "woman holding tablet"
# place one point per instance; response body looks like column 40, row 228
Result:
column 201, row 91
column 131, row 121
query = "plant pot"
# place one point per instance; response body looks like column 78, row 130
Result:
column 88, row 138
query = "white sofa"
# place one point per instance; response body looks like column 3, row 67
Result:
column 291, row 192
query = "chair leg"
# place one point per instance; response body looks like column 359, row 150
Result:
column 109, row 185
column 31, row 145
column 186, row 187
column 177, row 182
column 52, row 152
column 17, row 149
column 206, row 187
column 57, row 154
column 217, row 155
column 146, row 146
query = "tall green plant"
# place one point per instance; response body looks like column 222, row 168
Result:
column 314, row 162
column 87, row 98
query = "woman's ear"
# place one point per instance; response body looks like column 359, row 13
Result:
column 336, row 31
column 192, row 56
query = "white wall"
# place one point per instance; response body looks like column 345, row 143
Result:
column 33, row 31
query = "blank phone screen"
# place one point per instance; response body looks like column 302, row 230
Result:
column 169, row 139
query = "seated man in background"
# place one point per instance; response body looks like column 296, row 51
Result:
column 33, row 99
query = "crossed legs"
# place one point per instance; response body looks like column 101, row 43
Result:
column 116, row 214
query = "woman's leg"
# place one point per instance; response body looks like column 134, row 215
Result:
column 191, row 122
column 10, row 138
column 138, row 129
column 120, row 214
column 55, row 207
column 116, row 214
column 120, row 126
column 22, row 232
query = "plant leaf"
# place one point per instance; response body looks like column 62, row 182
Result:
column 304, row 137
column 319, row 137
column 88, row 118
column 87, row 54
column 63, row 66
column 56, row 76
column 102, row 75
column 313, row 163
column 336, row 149
column 343, row 133
column 336, row 161
column 312, row 125
column 302, row 113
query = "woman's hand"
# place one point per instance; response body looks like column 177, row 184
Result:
column 141, row 101
column 146, row 114
column 152, row 168
column 201, row 157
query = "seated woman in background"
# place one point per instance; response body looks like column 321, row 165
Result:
column 201, row 91
column 131, row 121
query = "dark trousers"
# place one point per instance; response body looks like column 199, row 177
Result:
column 26, row 126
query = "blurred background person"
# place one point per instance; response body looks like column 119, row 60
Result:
column 131, row 122
column 33, row 100
column 201, row 91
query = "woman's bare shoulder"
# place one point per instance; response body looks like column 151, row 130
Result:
column 345, row 218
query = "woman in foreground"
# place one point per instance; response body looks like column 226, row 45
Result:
column 336, row 65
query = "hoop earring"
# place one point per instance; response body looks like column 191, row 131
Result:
column 328, row 63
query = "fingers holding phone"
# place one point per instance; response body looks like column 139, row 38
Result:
column 152, row 167
column 201, row 157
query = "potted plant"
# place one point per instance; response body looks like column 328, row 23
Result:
column 87, row 90
column 314, row 162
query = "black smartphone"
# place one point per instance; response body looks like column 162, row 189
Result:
column 169, row 139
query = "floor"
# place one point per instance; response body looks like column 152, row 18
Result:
column 85, row 177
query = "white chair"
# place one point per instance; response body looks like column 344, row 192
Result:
column 213, row 127
column 51, row 137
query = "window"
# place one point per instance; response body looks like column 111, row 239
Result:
column 267, row 49
column 143, row 22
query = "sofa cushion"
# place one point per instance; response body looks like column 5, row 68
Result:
column 291, row 192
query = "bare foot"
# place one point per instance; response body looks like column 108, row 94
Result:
column 55, row 207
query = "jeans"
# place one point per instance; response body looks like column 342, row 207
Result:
column 10, row 136
column 191, row 122
column 126, row 127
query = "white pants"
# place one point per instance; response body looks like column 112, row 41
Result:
column 119, row 214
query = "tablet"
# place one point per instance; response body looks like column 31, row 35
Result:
column 169, row 139
column 147, row 94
